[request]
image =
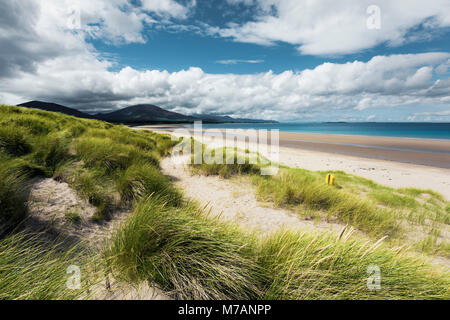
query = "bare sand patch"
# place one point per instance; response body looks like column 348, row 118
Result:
column 55, row 208
column 52, row 206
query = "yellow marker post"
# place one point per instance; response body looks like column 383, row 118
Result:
column 330, row 179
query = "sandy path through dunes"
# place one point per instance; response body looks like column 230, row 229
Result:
column 234, row 200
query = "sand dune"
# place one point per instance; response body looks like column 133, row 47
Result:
column 234, row 200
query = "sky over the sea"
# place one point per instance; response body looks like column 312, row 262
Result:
column 288, row 60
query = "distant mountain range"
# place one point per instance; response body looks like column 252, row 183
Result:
column 139, row 114
column 228, row 119
column 144, row 113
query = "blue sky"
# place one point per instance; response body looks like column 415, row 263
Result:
column 174, row 51
column 288, row 60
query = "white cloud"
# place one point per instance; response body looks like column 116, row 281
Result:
column 41, row 58
column 329, row 27
column 430, row 116
column 437, row 113
column 34, row 31
column 443, row 68
column 383, row 81
column 167, row 7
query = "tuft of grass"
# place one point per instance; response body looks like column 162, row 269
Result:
column 314, row 266
column 415, row 205
column 52, row 151
column 104, row 153
column 432, row 246
column 23, row 167
column 164, row 144
column 73, row 217
column 191, row 256
column 144, row 180
column 32, row 270
column 233, row 163
column 76, row 130
column 294, row 188
column 90, row 185
column 123, row 135
column 13, row 207
column 13, row 141
column 393, row 200
column 187, row 255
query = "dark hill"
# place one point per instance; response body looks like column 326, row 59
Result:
column 145, row 113
column 139, row 114
column 53, row 107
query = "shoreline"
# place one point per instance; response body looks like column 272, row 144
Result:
column 190, row 128
column 387, row 172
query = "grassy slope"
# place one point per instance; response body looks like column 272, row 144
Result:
column 372, row 208
column 32, row 270
column 110, row 166
column 168, row 241
column 194, row 257
column 377, row 210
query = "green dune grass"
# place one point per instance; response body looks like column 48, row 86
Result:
column 196, row 257
column 174, row 244
column 96, row 158
column 370, row 207
column 31, row 269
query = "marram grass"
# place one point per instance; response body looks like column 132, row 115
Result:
column 174, row 245
column 324, row 266
column 31, row 269
column 191, row 256
column 291, row 188
column 186, row 254
column 372, row 208
column 96, row 158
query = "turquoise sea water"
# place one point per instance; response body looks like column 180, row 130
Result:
column 407, row 130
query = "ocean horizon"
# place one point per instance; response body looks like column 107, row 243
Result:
column 381, row 129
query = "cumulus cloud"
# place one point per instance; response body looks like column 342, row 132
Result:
column 167, row 7
column 381, row 82
column 44, row 58
column 26, row 39
column 34, row 31
column 329, row 27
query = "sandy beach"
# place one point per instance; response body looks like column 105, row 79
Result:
column 395, row 162
column 428, row 152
